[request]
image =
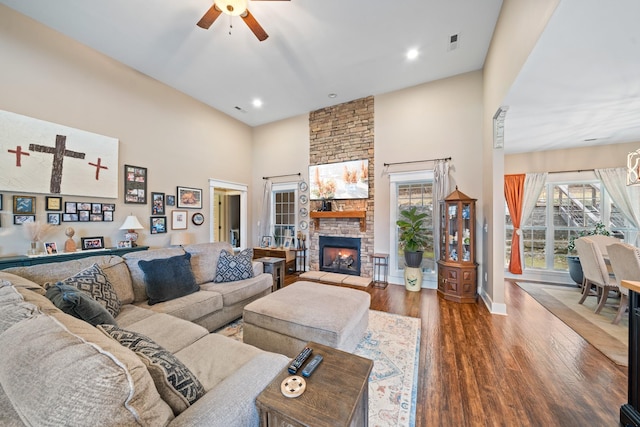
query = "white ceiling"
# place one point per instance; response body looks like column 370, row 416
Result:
column 582, row 80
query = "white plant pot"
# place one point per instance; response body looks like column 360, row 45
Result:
column 413, row 278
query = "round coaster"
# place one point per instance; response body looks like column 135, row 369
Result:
column 293, row 386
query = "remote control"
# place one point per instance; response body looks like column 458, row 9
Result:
column 311, row 366
column 299, row 360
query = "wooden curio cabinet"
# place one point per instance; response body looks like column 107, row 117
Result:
column 457, row 269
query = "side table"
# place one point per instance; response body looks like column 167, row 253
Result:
column 337, row 394
column 380, row 270
column 274, row 266
column 301, row 259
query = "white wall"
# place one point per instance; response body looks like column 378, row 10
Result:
column 181, row 141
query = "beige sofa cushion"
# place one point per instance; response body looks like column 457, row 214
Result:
column 204, row 259
column 137, row 275
column 162, row 329
column 189, row 307
column 116, row 388
column 21, row 282
column 241, row 290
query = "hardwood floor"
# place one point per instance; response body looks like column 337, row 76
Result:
column 524, row 369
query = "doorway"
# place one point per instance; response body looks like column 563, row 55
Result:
column 228, row 213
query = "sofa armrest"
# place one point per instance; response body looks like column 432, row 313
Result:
column 232, row 402
column 258, row 268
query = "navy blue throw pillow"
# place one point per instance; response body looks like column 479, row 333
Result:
column 168, row 278
column 79, row 304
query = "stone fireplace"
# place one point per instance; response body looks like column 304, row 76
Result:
column 340, row 255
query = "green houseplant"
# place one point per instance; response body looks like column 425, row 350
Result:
column 573, row 261
column 413, row 235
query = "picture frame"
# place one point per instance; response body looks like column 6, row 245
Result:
column 83, row 206
column 135, row 185
column 93, row 217
column 108, row 207
column 70, row 207
column 197, row 218
column 69, row 217
column 124, row 244
column 0, row 202
column 96, row 208
column 53, row 218
column 171, row 200
column 157, row 203
column 53, row 203
column 179, row 220
column 265, row 242
column 50, row 248
column 90, row 243
column 21, row 219
column 158, row 224
column 190, row 198
column 25, row 205
column 107, row 216
column 83, row 216
column 286, row 244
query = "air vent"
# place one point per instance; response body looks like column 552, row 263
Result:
column 240, row 109
column 454, row 42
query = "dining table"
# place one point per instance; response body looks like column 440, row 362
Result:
column 630, row 411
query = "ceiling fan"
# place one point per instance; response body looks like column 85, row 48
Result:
column 234, row 8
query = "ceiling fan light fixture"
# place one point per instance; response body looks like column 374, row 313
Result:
column 232, row 7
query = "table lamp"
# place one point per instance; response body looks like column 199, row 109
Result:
column 131, row 224
column 180, row 239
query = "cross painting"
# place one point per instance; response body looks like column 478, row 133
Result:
column 43, row 157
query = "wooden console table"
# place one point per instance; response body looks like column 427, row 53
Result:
column 361, row 215
column 25, row 261
column 630, row 411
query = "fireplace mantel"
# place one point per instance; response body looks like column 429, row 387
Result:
column 361, row 215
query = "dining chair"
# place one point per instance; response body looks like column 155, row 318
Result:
column 625, row 261
column 595, row 272
column 603, row 242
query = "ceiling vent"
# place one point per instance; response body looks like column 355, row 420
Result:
column 454, row 42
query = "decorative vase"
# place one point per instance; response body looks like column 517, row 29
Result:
column 413, row 278
column 34, row 248
column 413, row 259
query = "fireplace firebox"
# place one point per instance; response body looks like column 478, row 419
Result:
column 340, row 255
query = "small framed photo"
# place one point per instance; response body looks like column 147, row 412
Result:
column 107, row 216
column 70, row 217
column 124, row 244
column 25, row 205
column 83, row 216
column 84, row 206
column 96, row 208
column 108, row 207
column 158, row 224
column 70, row 207
column 265, row 242
column 0, row 202
column 287, row 243
column 50, row 248
column 157, row 203
column 95, row 217
column 21, row 219
column 92, row 243
column 135, row 184
column 54, row 203
column 189, row 198
column 171, row 200
column 179, row 220
column 53, row 218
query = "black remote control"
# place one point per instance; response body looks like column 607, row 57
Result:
column 299, row 360
column 311, row 366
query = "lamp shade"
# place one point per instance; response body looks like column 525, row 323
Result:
column 131, row 223
column 232, row 7
column 180, row 239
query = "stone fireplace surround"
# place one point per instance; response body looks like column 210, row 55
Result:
column 337, row 134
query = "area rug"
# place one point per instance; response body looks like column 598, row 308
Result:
column 393, row 343
column 597, row 329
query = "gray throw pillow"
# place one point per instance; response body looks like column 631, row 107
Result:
column 234, row 267
column 79, row 304
column 177, row 385
column 168, row 278
column 93, row 281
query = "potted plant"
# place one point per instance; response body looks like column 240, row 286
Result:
column 413, row 235
column 573, row 261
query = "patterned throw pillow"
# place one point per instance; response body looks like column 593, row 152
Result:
column 234, row 267
column 93, row 281
column 175, row 382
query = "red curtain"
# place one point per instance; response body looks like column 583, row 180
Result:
column 514, row 193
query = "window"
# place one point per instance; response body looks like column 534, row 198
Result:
column 564, row 208
column 411, row 189
column 284, row 214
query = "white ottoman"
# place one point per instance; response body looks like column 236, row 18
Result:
column 284, row 321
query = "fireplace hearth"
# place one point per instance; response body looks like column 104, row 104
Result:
column 340, row 255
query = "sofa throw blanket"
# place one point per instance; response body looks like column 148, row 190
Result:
column 168, row 278
column 234, row 267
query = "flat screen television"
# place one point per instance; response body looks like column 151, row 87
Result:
column 344, row 180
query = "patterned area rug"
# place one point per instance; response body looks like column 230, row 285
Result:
column 597, row 329
column 393, row 343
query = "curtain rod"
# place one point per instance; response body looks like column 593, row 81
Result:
column 280, row 176
column 574, row 170
column 415, row 161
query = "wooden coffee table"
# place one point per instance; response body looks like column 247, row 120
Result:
column 337, row 393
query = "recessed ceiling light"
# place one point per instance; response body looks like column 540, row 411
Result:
column 412, row 53
column 257, row 103
column 333, row 95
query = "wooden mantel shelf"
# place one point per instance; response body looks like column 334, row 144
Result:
column 361, row 215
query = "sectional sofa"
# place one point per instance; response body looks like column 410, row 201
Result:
column 155, row 364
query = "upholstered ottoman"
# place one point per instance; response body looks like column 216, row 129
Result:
column 285, row 320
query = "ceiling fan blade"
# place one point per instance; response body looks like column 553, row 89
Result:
column 209, row 17
column 251, row 22
column 270, row 0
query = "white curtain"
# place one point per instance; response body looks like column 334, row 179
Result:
column 626, row 198
column 533, row 185
column 264, row 223
column 440, row 191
